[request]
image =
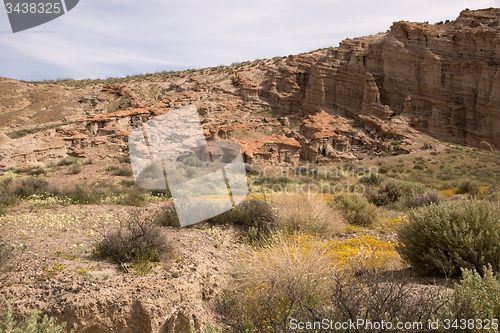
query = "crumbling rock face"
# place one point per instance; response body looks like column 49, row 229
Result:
column 445, row 77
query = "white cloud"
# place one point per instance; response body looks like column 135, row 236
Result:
column 117, row 38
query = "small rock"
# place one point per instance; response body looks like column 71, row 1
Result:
column 175, row 275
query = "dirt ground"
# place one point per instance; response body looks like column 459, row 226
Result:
column 53, row 269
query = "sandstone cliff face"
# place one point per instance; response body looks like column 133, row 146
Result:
column 445, row 77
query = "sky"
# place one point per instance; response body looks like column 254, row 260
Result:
column 116, row 38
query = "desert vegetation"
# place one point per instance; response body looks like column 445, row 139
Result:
column 309, row 254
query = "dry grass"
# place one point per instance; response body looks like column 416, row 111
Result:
column 309, row 214
column 281, row 282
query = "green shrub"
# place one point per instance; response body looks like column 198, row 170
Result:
column 383, row 169
column 447, row 237
column 391, row 190
column 67, row 161
column 34, row 323
column 123, row 171
column 31, row 171
column 416, row 199
column 469, row 186
column 82, row 194
column 75, row 169
column 419, row 166
column 30, row 186
column 358, row 210
column 138, row 238
column 257, row 214
column 372, row 179
column 479, row 294
column 193, row 161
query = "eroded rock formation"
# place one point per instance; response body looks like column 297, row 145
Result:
column 445, row 77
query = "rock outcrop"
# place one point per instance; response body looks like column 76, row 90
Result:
column 444, row 77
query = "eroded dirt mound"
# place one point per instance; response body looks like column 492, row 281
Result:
column 53, row 269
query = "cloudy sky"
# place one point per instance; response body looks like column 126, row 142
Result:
column 115, row 38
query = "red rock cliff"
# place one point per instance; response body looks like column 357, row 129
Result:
column 445, row 77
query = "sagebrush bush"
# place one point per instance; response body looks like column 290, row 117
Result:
column 372, row 179
column 34, row 323
column 193, row 161
column 417, row 199
column 255, row 213
column 75, row 169
column 478, row 295
column 32, row 171
column 310, row 214
column 391, row 190
column 469, row 187
column 124, row 172
column 137, row 238
column 444, row 238
column 29, row 186
column 357, row 209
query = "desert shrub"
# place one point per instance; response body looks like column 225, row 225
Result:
column 75, row 169
column 372, row 179
column 416, row 199
column 123, row 171
column 133, row 196
column 391, row 190
column 378, row 297
column 31, row 171
column 479, row 293
column 493, row 197
column 34, row 323
column 310, row 214
column 124, row 158
column 257, row 214
column 447, row 237
column 167, row 215
column 81, row 194
column 7, row 197
column 193, row 161
column 67, row 161
column 286, row 280
column 111, row 167
column 137, row 238
column 298, row 279
column 30, row 186
column 357, row 209
column 469, row 186
column 419, row 166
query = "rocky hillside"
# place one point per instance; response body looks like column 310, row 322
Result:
column 368, row 97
